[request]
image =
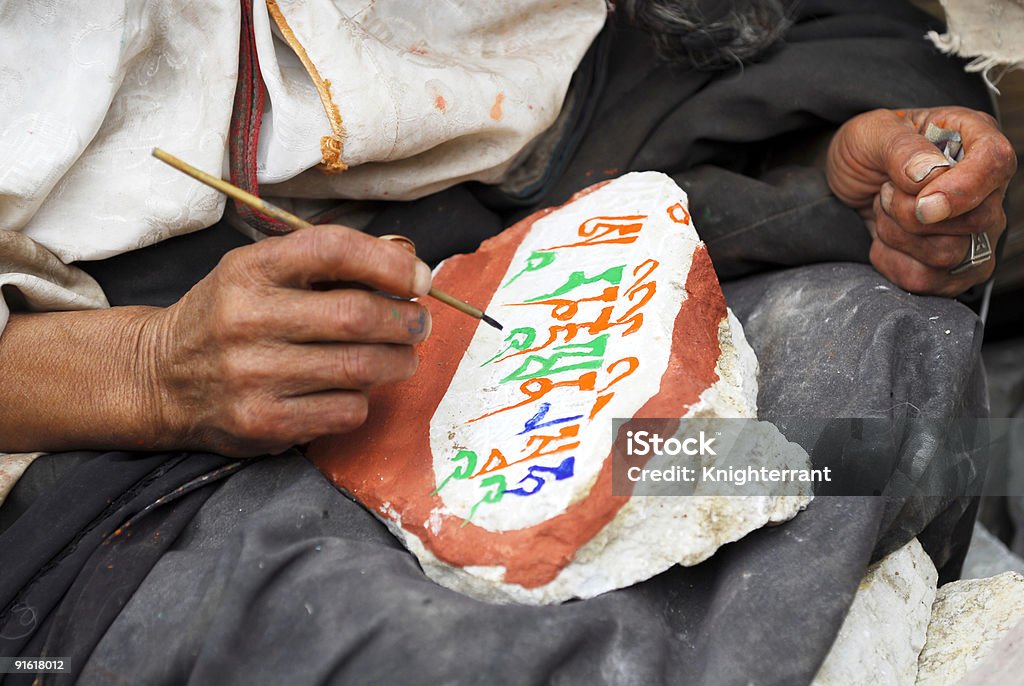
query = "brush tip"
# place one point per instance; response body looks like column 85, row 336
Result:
column 492, row 322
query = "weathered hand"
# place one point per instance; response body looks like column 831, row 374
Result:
column 919, row 210
column 253, row 360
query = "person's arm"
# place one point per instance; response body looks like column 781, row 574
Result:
column 251, row 360
column 919, row 210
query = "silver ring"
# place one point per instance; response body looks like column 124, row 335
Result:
column 980, row 252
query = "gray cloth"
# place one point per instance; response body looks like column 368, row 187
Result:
column 1005, row 516
column 280, row 578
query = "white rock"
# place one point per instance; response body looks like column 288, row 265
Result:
column 884, row 632
column 1004, row 664
column 495, row 459
column 968, row 620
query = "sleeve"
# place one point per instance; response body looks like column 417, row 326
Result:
column 33, row 278
column 88, row 91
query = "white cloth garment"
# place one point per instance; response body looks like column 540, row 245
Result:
column 988, row 32
column 367, row 99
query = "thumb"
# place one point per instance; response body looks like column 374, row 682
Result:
column 879, row 146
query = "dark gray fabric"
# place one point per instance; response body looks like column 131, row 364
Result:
column 282, row 579
column 63, row 543
column 46, row 472
column 838, row 340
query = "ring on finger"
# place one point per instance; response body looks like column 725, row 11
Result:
column 980, row 251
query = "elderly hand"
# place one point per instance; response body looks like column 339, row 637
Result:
column 919, row 210
column 253, row 360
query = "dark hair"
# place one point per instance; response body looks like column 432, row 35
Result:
column 710, row 35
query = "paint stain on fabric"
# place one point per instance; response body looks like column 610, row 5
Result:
column 496, row 108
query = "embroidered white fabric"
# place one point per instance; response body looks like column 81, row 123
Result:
column 410, row 95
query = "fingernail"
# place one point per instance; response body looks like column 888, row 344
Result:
column 923, row 164
column 421, row 283
column 933, row 208
column 886, row 197
column 426, row 324
column 400, row 241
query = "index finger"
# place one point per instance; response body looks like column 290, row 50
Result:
column 338, row 253
column 988, row 164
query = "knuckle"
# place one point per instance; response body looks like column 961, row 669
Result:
column 355, row 315
column 989, row 217
column 895, row 147
column 905, row 216
column 398, row 260
column 250, row 420
column 233, row 259
column 310, row 244
column 240, row 372
column 321, row 245
column 234, row 319
column 351, row 413
column 999, row 220
column 259, row 261
column 889, row 232
column 986, row 118
column 876, row 257
column 338, row 244
column 945, row 252
column 361, row 365
column 1004, row 156
column 902, row 223
column 241, row 319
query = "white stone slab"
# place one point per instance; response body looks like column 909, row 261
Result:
column 884, row 632
column 968, row 620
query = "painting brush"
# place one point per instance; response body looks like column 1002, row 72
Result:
column 295, row 223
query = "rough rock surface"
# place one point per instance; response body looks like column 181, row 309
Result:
column 969, row 618
column 882, row 636
column 1004, row 664
column 493, row 465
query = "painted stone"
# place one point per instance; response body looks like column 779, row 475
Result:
column 493, row 464
column 968, row 620
column 883, row 633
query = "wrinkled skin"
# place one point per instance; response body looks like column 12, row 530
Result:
column 253, row 360
column 919, row 210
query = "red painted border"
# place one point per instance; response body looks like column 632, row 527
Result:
column 388, row 462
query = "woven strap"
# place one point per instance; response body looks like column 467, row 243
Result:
column 246, row 117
